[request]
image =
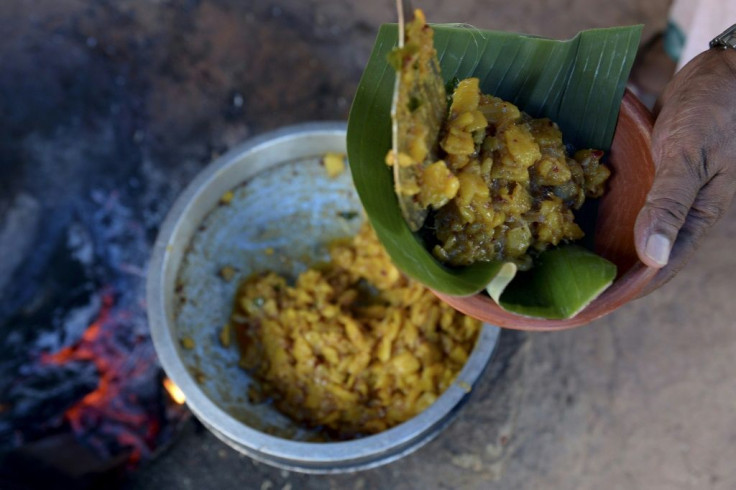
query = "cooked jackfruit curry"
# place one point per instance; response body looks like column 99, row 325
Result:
column 500, row 185
column 353, row 347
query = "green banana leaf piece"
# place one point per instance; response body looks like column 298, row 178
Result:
column 578, row 83
column 563, row 281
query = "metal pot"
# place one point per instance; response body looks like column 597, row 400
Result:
column 284, row 209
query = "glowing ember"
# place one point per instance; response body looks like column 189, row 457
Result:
column 176, row 394
column 112, row 410
column 76, row 356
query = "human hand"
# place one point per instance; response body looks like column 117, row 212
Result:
column 694, row 152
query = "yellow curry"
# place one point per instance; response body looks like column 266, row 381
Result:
column 354, row 346
column 501, row 183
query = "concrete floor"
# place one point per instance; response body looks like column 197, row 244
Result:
column 642, row 399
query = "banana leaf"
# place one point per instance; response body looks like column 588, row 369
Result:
column 578, row 83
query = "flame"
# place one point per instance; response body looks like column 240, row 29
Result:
column 104, row 402
column 82, row 350
column 176, row 394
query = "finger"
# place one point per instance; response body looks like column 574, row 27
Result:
column 667, row 207
column 710, row 205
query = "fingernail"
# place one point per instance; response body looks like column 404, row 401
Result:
column 658, row 249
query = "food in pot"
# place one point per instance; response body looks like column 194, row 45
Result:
column 353, row 346
column 334, row 164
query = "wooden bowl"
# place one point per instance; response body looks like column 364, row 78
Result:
column 632, row 175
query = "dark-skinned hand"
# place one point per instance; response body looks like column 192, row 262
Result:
column 694, row 151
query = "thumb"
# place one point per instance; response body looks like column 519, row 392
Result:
column 668, row 204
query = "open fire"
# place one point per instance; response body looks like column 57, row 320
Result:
column 114, row 417
column 81, row 390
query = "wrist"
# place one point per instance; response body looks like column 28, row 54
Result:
column 725, row 55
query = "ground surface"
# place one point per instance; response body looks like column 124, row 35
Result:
column 643, row 399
